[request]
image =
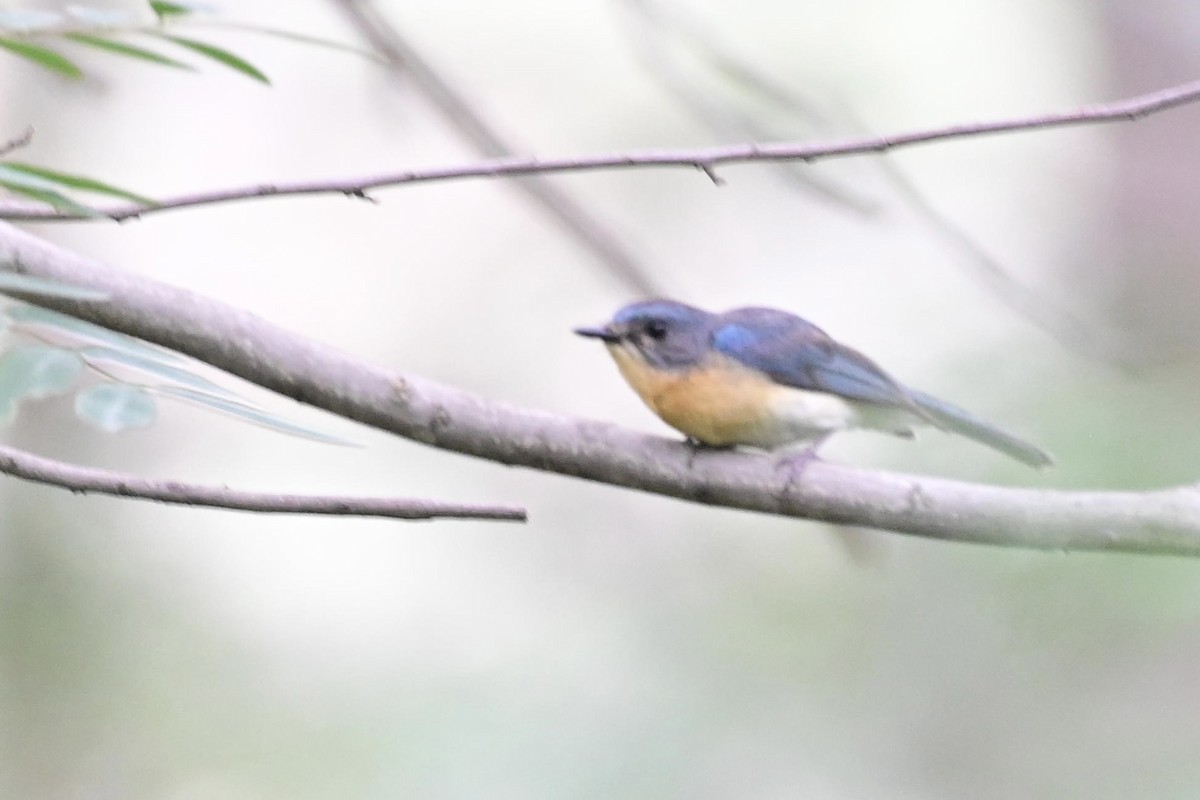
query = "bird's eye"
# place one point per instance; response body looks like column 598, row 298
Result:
column 656, row 331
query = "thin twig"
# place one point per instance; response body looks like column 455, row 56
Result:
column 703, row 159
column 403, row 58
column 1164, row 521
column 39, row 469
column 659, row 30
column 17, row 142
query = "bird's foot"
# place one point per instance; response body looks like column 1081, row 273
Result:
column 796, row 463
column 695, row 447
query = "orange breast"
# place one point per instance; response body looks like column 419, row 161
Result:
column 721, row 403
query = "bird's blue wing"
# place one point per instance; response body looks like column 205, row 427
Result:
column 796, row 353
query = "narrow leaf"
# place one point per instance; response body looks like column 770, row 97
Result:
column 115, row 407
column 123, row 49
column 107, row 357
column 24, row 178
column 220, row 55
column 44, row 287
column 251, row 414
column 163, row 9
column 42, row 56
column 79, row 182
column 49, row 197
column 33, row 317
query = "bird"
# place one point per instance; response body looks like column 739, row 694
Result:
column 768, row 379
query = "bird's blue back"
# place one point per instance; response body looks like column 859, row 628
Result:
column 794, row 352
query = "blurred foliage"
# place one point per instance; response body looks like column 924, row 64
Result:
column 47, row 185
column 133, row 373
column 29, row 372
column 47, row 39
column 39, row 36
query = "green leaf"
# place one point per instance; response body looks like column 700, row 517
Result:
column 35, row 371
column 44, row 287
column 251, row 414
column 115, row 407
column 19, row 176
column 219, row 55
column 33, row 317
column 123, row 49
column 104, row 357
column 163, row 9
column 67, row 179
column 42, row 56
column 49, row 197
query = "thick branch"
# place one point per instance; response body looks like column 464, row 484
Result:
column 1165, row 521
column 705, row 159
column 20, row 464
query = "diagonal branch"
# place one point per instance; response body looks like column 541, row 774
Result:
column 668, row 39
column 404, row 59
column 704, row 159
column 1166, row 521
column 21, row 464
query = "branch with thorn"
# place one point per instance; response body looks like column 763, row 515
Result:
column 704, row 159
column 1164, row 521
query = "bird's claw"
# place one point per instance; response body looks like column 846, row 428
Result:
column 796, row 463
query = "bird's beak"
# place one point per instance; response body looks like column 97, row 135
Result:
column 604, row 334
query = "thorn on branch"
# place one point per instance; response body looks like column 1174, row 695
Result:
column 705, row 159
column 711, row 171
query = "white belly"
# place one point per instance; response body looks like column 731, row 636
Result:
column 802, row 415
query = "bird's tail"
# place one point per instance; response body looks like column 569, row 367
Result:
column 954, row 419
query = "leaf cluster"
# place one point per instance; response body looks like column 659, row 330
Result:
column 48, row 185
column 39, row 37
column 117, row 379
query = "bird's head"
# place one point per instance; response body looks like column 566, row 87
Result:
column 662, row 333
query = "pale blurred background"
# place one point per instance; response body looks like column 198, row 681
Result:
column 622, row 645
